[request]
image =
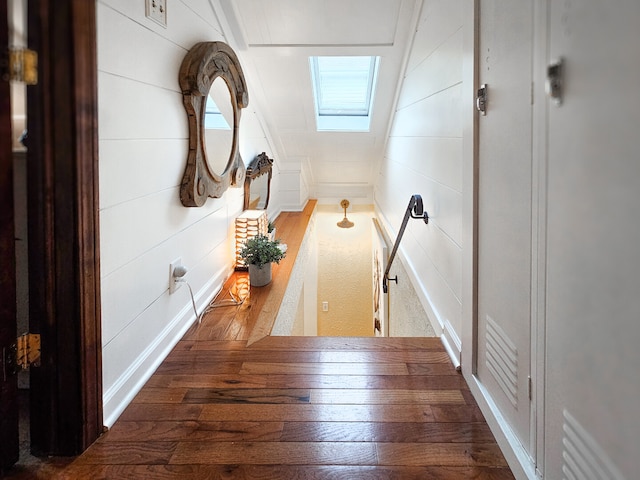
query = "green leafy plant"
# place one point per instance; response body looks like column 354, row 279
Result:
column 259, row 251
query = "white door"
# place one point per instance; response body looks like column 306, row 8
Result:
column 592, row 420
column 505, row 209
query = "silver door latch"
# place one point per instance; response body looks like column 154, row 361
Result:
column 481, row 99
column 554, row 83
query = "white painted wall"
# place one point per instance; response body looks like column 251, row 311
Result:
column 344, row 272
column 424, row 156
column 289, row 178
column 144, row 227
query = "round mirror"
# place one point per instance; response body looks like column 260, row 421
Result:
column 214, row 93
column 217, row 125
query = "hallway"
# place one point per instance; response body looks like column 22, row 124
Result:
column 224, row 405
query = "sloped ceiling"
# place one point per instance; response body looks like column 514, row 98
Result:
column 274, row 39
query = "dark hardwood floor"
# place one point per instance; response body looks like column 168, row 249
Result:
column 299, row 408
column 232, row 403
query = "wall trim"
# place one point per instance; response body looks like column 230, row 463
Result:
column 452, row 343
column 521, row 464
column 273, row 215
column 122, row 392
column 291, row 207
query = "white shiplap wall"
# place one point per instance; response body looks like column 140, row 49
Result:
column 424, row 156
column 144, row 227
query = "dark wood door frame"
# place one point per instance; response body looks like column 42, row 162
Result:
column 63, row 209
column 8, row 383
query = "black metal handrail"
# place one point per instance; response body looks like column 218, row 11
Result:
column 414, row 210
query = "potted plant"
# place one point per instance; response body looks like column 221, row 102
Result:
column 259, row 253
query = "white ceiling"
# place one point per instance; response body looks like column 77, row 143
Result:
column 274, row 39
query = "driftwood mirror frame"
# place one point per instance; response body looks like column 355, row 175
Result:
column 205, row 62
column 261, row 165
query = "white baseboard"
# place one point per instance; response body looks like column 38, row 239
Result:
column 122, row 392
column 454, row 355
column 517, row 457
column 291, row 207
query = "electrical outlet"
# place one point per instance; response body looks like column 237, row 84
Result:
column 325, row 306
column 156, row 10
column 173, row 285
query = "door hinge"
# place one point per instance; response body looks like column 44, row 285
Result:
column 20, row 65
column 530, row 387
column 28, row 350
column 21, row 355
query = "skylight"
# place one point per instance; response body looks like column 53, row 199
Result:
column 343, row 88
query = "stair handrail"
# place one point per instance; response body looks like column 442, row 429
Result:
column 415, row 209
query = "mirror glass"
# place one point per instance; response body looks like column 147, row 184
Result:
column 258, row 193
column 217, row 131
column 257, row 183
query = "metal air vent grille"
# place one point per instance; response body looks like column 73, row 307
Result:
column 502, row 360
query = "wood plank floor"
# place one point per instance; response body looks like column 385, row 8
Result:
column 222, row 406
column 299, row 408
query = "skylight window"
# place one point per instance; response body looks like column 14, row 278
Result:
column 343, row 88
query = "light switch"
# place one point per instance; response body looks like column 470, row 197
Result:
column 156, row 10
column 325, row 306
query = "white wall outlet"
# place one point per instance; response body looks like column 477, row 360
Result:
column 173, row 285
column 325, row 306
column 156, row 10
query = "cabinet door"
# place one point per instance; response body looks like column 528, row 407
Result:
column 593, row 236
column 505, row 209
